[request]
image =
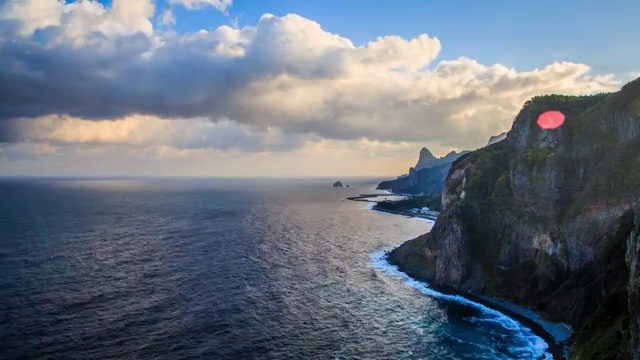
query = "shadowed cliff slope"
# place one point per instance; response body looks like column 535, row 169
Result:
column 427, row 177
column 546, row 219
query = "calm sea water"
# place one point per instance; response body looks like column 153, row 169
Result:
column 223, row 269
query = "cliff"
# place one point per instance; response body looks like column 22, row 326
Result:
column 633, row 262
column 425, row 159
column 426, row 178
column 497, row 138
column 546, row 219
column 425, row 181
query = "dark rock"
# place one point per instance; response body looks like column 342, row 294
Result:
column 425, row 159
column 427, row 177
column 429, row 174
column 497, row 138
column 633, row 262
column 544, row 218
column 337, row 184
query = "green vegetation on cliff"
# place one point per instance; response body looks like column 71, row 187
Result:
column 432, row 201
column 542, row 218
column 596, row 296
column 424, row 181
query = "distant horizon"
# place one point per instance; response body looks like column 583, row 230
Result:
column 186, row 177
column 283, row 88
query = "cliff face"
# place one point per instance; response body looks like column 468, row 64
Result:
column 427, row 181
column 425, row 159
column 497, row 138
column 426, row 178
column 428, row 161
column 633, row 261
column 544, row 218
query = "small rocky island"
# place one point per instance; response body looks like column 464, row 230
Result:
column 337, row 184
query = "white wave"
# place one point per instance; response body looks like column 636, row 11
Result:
column 370, row 205
column 428, row 221
column 382, row 192
column 536, row 347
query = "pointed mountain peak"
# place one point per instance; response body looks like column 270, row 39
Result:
column 425, row 153
column 426, row 157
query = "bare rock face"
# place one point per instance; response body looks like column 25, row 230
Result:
column 542, row 218
column 497, row 138
column 450, row 255
column 425, row 159
column 427, row 177
column 633, row 262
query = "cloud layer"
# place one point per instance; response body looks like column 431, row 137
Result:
column 81, row 73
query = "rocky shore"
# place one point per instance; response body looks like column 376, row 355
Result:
column 546, row 219
column 554, row 334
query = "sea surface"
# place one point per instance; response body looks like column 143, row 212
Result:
column 223, row 269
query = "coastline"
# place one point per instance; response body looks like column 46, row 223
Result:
column 367, row 198
column 555, row 335
column 555, row 339
column 426, row 217
column 555, row 348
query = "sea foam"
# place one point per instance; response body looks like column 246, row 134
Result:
column 535, row 347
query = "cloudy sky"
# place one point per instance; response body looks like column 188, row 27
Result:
column 283, row 87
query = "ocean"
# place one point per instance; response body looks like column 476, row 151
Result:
column 223, row 269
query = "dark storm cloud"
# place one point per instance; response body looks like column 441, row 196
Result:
column 100, row 82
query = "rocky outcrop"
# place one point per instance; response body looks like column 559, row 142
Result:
column 633, row 262
column 426, row 178
column 337, row 184
column 544, row 218
column 425, row 181
column 497, row 138
column 428, row 161
column 429, row 174
column 425, row 159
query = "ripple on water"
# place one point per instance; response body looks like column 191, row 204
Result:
column 221, row 269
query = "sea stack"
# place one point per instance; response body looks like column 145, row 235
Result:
column 337, row 184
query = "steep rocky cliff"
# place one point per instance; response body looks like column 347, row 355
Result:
column 633, row 261
column 427, row 177
column 497, row 138
column 425, row 159
column 425, row 181
column 545, row 218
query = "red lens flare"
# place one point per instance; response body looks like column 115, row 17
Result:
column 549, row 120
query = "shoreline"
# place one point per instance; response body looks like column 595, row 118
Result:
column 366, row 198
column 555, row 348
column 555, row 335
column 556, row 342
column 407, row 215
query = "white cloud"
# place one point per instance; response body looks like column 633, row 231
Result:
column 26, row 150
column 75, row 21
column 323, row 158
column 105, row 76
column 33, row 14
column 221, row 5
column 151, row 131
column 167, row 17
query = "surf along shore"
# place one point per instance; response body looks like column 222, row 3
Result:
column 555, row 335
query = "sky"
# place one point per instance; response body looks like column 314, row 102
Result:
column 283, row 88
